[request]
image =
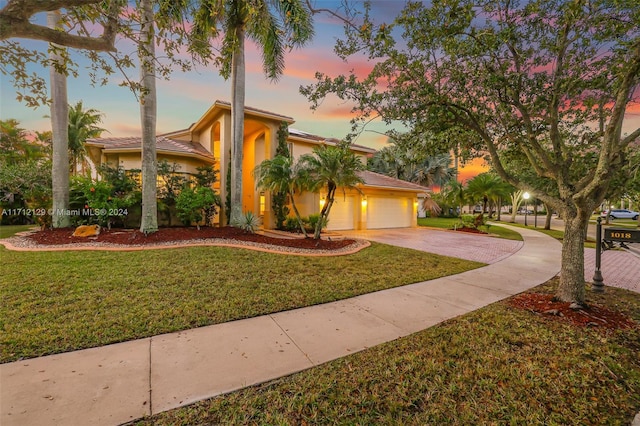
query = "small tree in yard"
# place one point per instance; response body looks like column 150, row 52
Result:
column 544, row 81
column 282, row 175
column 279, row 198
column 330, row 168
column 201, row 202
column 195, row 204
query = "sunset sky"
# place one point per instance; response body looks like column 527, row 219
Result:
column 184, row 98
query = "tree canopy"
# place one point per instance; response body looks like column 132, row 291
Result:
column 544, row 82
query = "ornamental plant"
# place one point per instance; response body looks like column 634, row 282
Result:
column 194, row 205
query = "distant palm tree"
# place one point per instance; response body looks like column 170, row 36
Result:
column 433, row 170
column 273, row 25
column 281, row 175
column 487, row 187
column 82, row 126
column 455, row 193
column 330, row 168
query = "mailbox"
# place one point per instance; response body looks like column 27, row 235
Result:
column 622, row 235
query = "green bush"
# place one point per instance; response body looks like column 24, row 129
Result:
column 98, row 202
column 194, row 205
column 313, row 221
column 470, row 221
column 291, row 224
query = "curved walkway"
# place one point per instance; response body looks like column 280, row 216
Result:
column 118, row 383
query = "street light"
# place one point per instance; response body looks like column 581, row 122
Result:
column 526, row 209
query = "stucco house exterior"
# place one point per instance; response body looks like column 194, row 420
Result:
column 381, row 202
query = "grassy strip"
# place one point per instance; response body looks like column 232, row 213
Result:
column 554, row 233
column 7, row 231
column 451, row 222
column 53, row 302
column 496, row 365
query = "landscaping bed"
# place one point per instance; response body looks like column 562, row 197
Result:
column 133, row 237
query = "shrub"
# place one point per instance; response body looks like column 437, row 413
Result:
column 248, row 223
column 194, row 205
column 470, row 221
column 291, row 224
column 98, row 202
column 313, row 221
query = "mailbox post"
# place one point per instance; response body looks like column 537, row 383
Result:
column 598, row 282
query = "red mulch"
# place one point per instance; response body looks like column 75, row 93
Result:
column 590, row 316
column 135, row 237
column 470, row 230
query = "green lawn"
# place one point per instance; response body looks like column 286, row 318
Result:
column 497, row 365
column 450, row 223
column 7, row 231
column 53, row 302
column 554, row 233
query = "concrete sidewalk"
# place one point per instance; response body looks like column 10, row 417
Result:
column 118, row 383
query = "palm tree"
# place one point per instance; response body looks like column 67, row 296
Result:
column 60, row 128
column 328, row 168
column 433, row 170
column 148, row 114
column 273, row 25
column 82, row 126
column 455, row 193
column 480, row 188
column 281, row 175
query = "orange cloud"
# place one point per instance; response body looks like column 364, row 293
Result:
column 472, row 169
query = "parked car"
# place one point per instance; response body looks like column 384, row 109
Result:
column 621, row 214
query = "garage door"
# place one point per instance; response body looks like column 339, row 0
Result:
column 341, row 214
column 383, row 212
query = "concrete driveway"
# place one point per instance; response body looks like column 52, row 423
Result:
column 463, row 245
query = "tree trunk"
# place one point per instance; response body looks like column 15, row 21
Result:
column 547, row 219
column 148, row 114
column 324, row 213
column 237, row 126
column 572, row 284
column 60, row 142
column 297, row 213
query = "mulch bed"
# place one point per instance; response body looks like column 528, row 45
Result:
column 133, row 237
column 469, row 230
column 589, row 316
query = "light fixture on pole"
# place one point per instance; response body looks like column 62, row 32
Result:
column 526, row 208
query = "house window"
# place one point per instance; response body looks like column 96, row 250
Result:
column 263, row 203
column 290, row 148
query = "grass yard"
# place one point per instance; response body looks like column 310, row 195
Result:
column 53, row 302
column 451, row 222
column 497, row 365
column 554, row 233
column 7, row 231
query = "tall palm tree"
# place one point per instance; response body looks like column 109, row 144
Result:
column 60, row 128
column 330, row 168
column 273, row 25
column 82, row 126
column 280, row 174
column 148, row 114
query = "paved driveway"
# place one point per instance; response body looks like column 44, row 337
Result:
column 480, row 248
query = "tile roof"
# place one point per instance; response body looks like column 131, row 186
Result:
column 162, row 144
column 256, row 110
column 381, row 181
column 329, row 141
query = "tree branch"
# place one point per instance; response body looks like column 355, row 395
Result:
column 14, row 23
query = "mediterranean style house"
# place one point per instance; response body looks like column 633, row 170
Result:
column 381, row 202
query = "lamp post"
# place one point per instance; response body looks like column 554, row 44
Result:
column 526, row 208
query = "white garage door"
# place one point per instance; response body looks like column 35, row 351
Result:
column 383, row 212
column 341, row 214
